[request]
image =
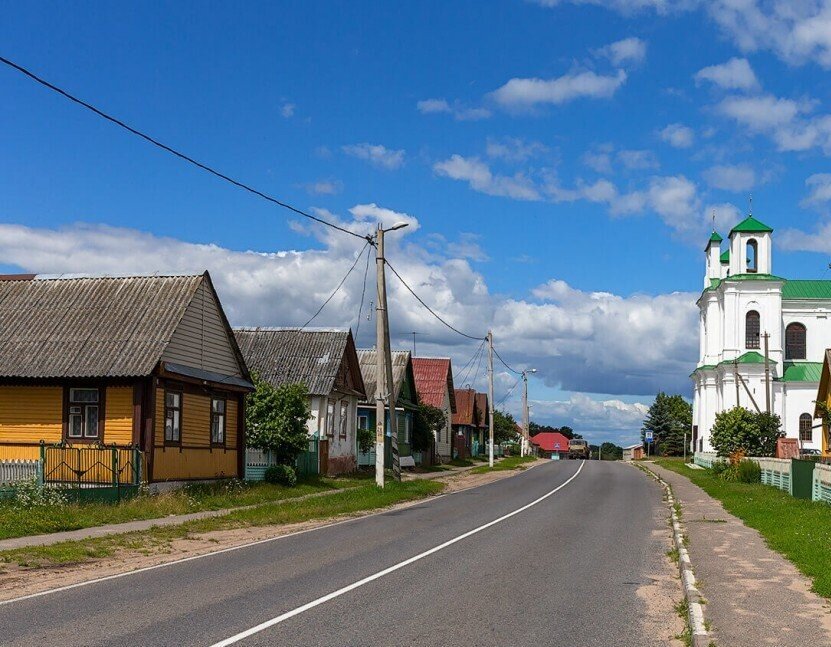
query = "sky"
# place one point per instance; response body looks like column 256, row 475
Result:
column 560, row 163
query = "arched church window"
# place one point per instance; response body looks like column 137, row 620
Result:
column 795, row 341
column 806, row 433
column 752, row 256
column 752, row 328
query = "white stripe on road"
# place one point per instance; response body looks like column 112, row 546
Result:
column 371, row 578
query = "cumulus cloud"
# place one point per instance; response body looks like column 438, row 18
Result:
column 526, row 93
column 324, row 187
column 514, row 149
column 636, row 160
column 627, row 51
column 287, row 110
column 599, row 159
column 377, row 155
column 678, row 135
column 480, row 178
column 735, row 74
column 623, row 6
column 798, row 240
column 458, row 110
column 819, row 186
column 739, row 177
column 587, row 415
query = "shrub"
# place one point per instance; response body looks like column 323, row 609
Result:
column 276, row 419
column 719, row 467
column 738, row 429
column 366, row 440
column 30, row 494
column 749, row 472
column 281, row 475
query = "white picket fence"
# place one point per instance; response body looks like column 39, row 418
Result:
column 706, row 459
column 13, row 471
column 775, row 472
column 822, row 483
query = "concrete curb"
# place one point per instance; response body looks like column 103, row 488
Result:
column 695, row 601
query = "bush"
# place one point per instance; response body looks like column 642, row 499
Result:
column 281, row 475
column 30, row 494
column 749, row 472
column 754, row 434
column 719, row 467
column 366, row 440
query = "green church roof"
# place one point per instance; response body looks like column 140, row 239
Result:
column 750, row 357
column 714, row 238
column 801, row 372
column 801, row 289
column 725, row 256
column 751, row 226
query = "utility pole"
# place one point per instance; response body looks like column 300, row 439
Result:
column 490, row 398
column 766, row 337
column 524, row 414
column 383, row 366
column 736, row 379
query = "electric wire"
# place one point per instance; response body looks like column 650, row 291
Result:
column 508, row 394
column 505, row 364
column 363, row 293
column 465, row 372
column 337, row 289
column 429, row 309
column 175, row 152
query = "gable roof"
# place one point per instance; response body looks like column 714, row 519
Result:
column 482, row 409
column 401, row 371
column 290, row 356
column 465, row 407
column 551, row 441
column 55, row 327
column 806, row 289
column 434, row 378
column 714, row 238
column 751, row 226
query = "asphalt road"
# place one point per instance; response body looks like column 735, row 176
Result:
column 564, row 571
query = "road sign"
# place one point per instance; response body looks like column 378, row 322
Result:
column 648, row 436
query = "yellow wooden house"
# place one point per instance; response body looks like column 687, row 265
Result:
column 824, row 398
column 147, row 361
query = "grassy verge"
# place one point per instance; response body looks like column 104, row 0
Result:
column 508, row 463
column 194, row 498
column 799, row 529
column 460, row 462
column 158, row 539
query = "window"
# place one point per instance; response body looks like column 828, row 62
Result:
column 82, row 415
column 795, row 341
column 752, row 256
column 363, row 422
column 806, row 432
column 217, row 421
column 330, row 419
column 172, row 417
column 344, row 418
column 751, row 329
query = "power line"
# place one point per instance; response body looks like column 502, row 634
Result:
column 465, row 372
column 342, row 281
column 363, row 293
column 429, row 309
column 508, row 394
column 174, row 152
column 504, row 363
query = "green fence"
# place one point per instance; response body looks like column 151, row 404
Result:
column 308, row 461
column 257, row 461
column 92, row 472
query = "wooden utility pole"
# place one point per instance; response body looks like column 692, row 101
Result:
column 526, row 433
column 766, row 337
column 380, row 356
column 490, row 398
column 736, row 379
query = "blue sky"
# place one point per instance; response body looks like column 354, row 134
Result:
column 559, row 162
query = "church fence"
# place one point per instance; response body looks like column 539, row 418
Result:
column 822, row 483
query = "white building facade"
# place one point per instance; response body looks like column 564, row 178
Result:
column 743, row 307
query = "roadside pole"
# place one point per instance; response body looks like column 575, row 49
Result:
column 685, row 446
column 380, row 357
column 490, row 397
column 522, row 441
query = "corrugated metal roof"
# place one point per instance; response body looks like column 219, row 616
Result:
column 800, row 289
column 465, row 407
column 89, row 327
column 291, row 356
column 434, row 378
column 367, row 358
column 551, row 441
column 801, row 372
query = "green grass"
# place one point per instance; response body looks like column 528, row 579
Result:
column 799, row 529
column 508, row 463
column 460, row 462
column 194, row 498
column 158, row 539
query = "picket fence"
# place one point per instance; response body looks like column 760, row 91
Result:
column 822, row 483
column 14, row 471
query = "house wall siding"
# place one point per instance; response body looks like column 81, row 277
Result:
column 118, row 415
column 29, row 414
column 200, row 340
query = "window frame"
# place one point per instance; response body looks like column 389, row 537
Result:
column 179, row 392
column 83, row 411
column 343, row 421
column 752, row 342
column 365, row 426
column 224, row 417
column 754, row 244
column 330, row 418
column 789, row 346
column 808, row 428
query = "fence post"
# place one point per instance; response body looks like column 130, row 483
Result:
column 41, row 463
column 136, row 466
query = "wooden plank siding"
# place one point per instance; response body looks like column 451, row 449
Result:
column 200, row 339
column 29, row 414
column 118, row 415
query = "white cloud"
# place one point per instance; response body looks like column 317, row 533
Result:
column 740, row 177
column 761, row 113
column 623, row 6
column 374, row 214
column 585, row 414
column 819, row 186
column 797, row 240
column 527, row 93
column 678, row 135
column 513, row 149
column 629, row 50
column 480, row 178
column 599, row 159
column 432, row 106
column 459, row 111
column 287, row 110
column 377, row 155
column 636, row 160
column 324, row 187
column 735, row 74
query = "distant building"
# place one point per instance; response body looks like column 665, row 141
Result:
column 549, row 443
column 633, row 452
column 434, row 384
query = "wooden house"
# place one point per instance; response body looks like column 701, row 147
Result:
column 406, row 401
column 483, row 416
column 434, row 385
column 633, row 452
column 327, row 363
column 550, row 444
column 147, row 361
column 823, row 404
column 465, row 422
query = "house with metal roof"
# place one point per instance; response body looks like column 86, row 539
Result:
column 434, row 384
column 466, row 422
column 406, row 403
column 138, row 361
column 762, row 337
column 550, row 443
column 327, row 363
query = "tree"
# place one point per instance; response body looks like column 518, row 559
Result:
column 738, row 429
column 428, row 421
column 504, row 427
column 275, row 419
column 611, row 452
column 669, row 418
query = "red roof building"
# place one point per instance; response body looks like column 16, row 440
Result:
column 434, row 384
column 551, row 442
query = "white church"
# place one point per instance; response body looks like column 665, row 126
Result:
column 743, row 307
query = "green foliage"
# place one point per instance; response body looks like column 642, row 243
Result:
column 276, row 419
column 30, row 494
column 513, row 449
column 669, row 418
column 428, row 421
column 738, row 429
column 535, row 428
column 743, row 472
column 366, row 439
column 504, row 427
column 611, row 452
column 281, row 475
column 719, row 467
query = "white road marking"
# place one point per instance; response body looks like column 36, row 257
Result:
column 371, row 578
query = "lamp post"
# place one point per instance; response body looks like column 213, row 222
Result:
column 523, row 448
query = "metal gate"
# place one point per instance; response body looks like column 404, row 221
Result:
column 92, row 472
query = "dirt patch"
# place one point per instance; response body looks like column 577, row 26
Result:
column 660, row 597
